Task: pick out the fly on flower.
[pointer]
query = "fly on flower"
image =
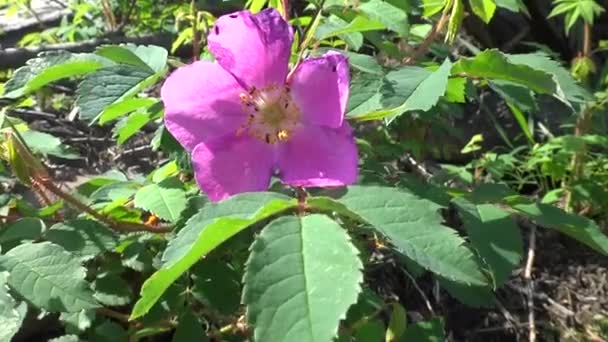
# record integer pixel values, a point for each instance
(246, 117)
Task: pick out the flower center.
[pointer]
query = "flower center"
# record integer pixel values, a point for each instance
(272, 114)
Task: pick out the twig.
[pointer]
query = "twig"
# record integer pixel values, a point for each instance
(285, 9)
(561, 310)
(530, 281)
(427, 302)
(430, 38)
(124, 20)
(116, 225)
(15, 57)
(196, 33)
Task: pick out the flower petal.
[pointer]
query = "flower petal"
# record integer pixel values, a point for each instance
(201, 103)
(319, 156)
(231, 165)
(320, 88)
(255, 48)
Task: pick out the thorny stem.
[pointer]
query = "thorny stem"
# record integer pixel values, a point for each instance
(119, 226)
(430, 38)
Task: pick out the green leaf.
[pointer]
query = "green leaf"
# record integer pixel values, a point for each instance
(363, 63)
(121, 108)
(456, 90)
(474, 296)
(428, 331)
(577, 227)
(302, 276)
(151, 57)
(50, 67)
(411, 89)
(109, 331)
(216, 284)
(11, 314)
(77, 322)
(108, 86)
(455, 22)
(432, 7)
(364, 94)
(27, 228)
(83, 237)
(166, 199)
(49, 277)
(358, 24)
(568, 90)
(495, 236)
(516, 94)
(189, 329)
(484, 9)
(214, 224)
(371, 330)
(413, 226)
(130, 126)
(393, 18)
(494, 65)
(111, 290)
(397, 323)
(65, 338)
(47, 144)
(512, 5)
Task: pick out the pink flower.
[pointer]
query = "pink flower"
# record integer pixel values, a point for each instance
(243, 119)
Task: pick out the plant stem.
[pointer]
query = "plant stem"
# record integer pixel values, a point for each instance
(116, 225)
(577, 164)
(285, 9)
(196, 33)
(430, 38)
(586, 39)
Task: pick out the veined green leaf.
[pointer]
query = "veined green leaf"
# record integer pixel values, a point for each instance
(50, 67)
(152, 58)
(413, 226)
(11, 314)
(393, 18)
(577, 227)
(108, 86)
(484, 9)
(302, 276)
(495, 236)
(492, 64)
(214, 224)
(166, 199)
(416, 87)
(49, 277)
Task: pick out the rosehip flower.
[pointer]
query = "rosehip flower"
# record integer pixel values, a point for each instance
(244, 118)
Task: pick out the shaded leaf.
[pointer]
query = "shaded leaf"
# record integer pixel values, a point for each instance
(495, 236)
(83, 237)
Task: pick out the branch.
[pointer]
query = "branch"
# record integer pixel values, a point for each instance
(15, 57)
(430, 38)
